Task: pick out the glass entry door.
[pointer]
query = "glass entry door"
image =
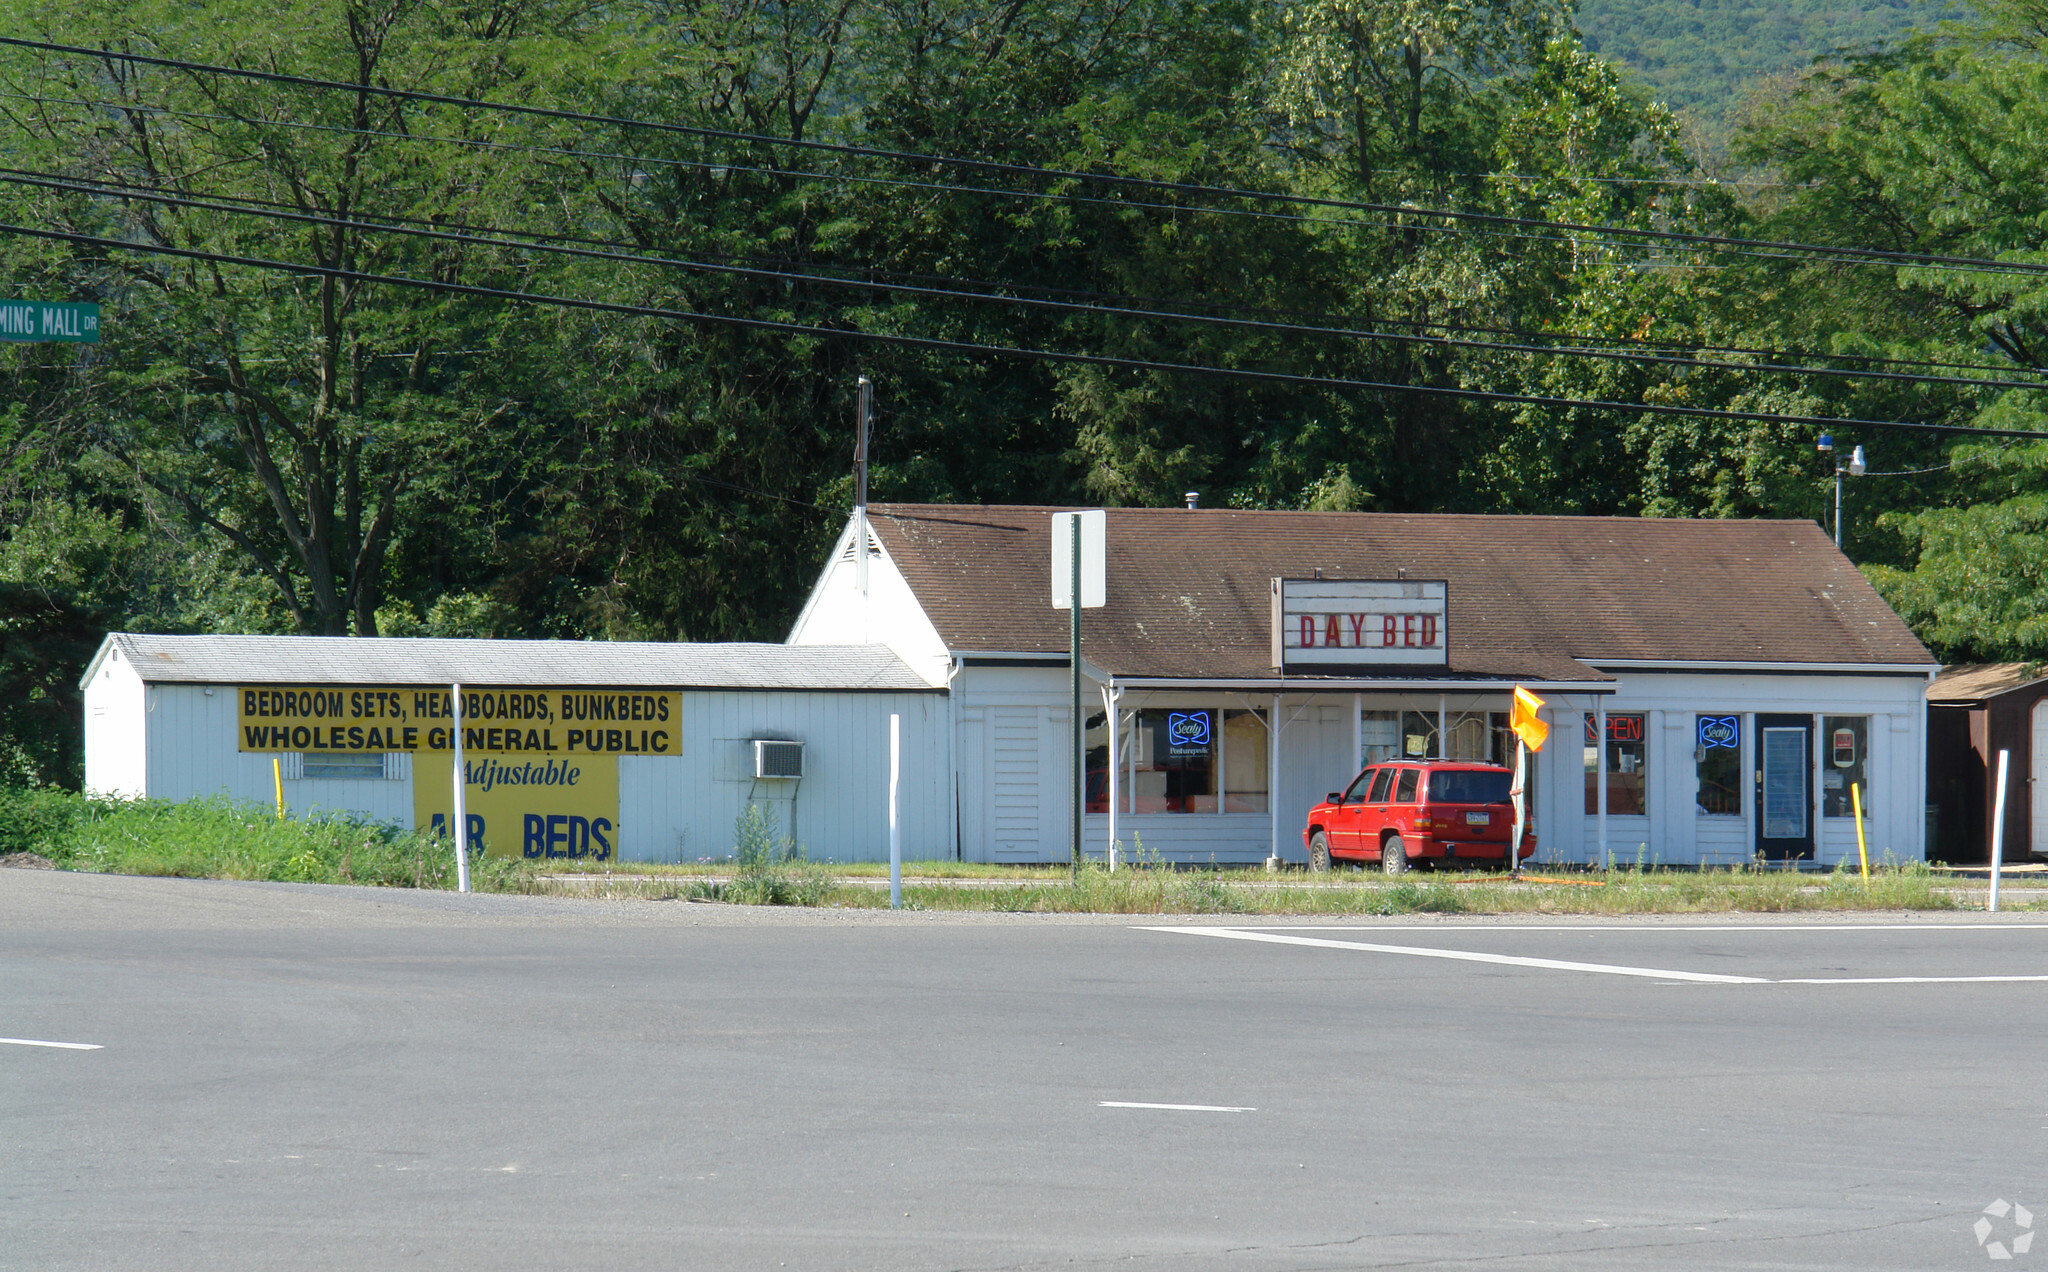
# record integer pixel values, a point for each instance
(1784, 793)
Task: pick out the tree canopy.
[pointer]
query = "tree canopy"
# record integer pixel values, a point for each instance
(402, 361)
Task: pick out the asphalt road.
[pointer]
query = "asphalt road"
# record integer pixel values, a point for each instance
(305, 1077)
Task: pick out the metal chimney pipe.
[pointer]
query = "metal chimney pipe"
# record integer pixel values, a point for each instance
(1194, 498)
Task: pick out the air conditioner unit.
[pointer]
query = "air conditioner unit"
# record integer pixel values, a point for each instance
(773, 758)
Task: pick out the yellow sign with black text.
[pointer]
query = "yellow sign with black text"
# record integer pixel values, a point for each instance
(541, 765)
(524, 722)
(539, 808)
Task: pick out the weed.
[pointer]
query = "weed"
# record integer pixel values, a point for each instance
(772, 868)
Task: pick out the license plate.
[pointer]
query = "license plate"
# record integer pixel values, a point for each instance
(1478, 819)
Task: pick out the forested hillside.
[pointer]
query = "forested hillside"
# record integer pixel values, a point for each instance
(1702, 56)
(545, 319)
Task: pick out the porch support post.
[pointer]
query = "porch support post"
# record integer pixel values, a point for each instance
(1600, 780)
(1273, 783)
(1116, 754)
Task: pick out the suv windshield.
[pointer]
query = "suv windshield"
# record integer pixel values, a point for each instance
(1467, 787)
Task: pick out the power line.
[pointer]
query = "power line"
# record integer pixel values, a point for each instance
(725, 165)
(718, 165)
(1688, 351)
(46, 181)
(1010, 351)
(904, 156)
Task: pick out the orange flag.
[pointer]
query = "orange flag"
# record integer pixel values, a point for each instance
(1523, 720)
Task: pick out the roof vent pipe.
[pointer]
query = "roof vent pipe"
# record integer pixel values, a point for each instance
(1194, 498)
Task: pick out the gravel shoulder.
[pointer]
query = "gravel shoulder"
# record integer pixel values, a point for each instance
(62, 900)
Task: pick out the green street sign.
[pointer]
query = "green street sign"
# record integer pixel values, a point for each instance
(36, 321)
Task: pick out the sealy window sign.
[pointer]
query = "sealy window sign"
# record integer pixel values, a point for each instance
(1339, 623)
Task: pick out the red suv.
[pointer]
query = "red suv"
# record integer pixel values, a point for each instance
(1401, 812)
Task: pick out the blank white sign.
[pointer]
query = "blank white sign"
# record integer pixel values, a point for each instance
(1094, 559)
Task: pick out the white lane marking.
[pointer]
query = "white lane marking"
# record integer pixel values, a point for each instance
(1902, 980)
(1468, 956)
(1177, 1108)
(1650, 927)
(67, 1046)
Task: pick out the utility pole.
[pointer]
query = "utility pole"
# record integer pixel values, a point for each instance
(865, 400)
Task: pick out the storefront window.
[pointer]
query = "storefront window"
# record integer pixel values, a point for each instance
(1627, 765)
(1418, 735)
(1174, 761)
(1845, 741)
(1245, 762)
(1717, 755)
(1471, 739)
(1379, 737)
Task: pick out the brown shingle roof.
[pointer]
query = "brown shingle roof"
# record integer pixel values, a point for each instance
(1189, 592)
(1974, 682)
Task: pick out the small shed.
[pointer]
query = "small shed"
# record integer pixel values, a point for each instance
(1974, 712)
(606, 750)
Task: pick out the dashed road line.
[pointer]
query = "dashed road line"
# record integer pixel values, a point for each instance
(1174, 1108)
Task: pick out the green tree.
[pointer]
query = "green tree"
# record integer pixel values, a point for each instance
(305, 420)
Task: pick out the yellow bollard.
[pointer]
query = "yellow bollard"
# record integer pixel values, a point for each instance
(277, 776)
(1856, 802)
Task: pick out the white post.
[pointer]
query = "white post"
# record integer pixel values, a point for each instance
(1115, 762)
(1443, 741)
(1273, 781)
(895, 824)
(1521, 790)
(1600, 781)
(461, 815)
(1998, 831)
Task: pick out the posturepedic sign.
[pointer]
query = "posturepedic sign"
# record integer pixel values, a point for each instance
(539, 808)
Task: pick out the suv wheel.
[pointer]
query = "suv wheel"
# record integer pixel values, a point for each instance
(1318, 853)
(1394, 855)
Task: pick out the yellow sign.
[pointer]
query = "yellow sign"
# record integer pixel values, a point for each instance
(1522, 718)
(525, 722)
(539, 808)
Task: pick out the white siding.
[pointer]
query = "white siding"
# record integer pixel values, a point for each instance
(670, 809)
(193, 754)
(682, 808)
(1675, 833)
(1014, 742)
(116, 741)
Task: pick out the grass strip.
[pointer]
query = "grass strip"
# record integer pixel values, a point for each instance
(220, 839)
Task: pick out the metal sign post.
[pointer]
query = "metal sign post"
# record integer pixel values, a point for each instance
(1079, 767)
(1079, 570)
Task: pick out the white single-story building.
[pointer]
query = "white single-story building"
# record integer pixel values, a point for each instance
(626, 751)
(1716, 690)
